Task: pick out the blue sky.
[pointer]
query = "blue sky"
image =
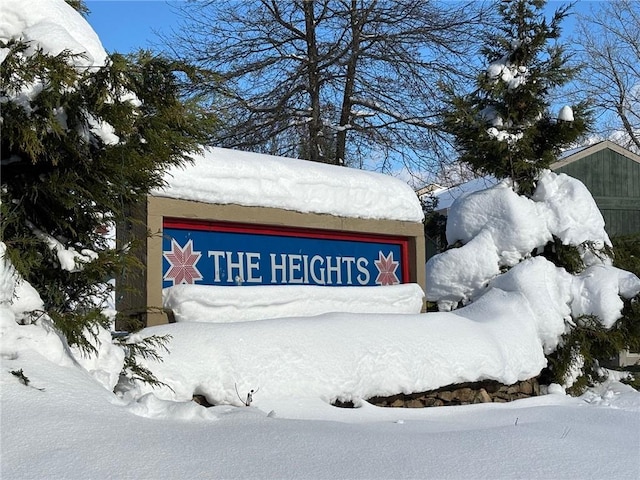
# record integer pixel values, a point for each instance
(126, 25)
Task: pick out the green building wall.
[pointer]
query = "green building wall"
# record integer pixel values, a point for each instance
(613, 178)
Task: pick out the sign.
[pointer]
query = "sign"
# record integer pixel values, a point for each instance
(216, 253)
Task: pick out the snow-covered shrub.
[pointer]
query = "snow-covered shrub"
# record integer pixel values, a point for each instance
(595, 342)
(83, 136)
(501, 232)
(506, 128)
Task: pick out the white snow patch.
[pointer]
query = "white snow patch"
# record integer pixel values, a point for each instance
(566, 114)
(206, 303)
(53, 26)
(598, 289)
(226, 176)
(569, 210)
(499, 228)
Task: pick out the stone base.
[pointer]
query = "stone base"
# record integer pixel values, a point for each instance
(462, 394)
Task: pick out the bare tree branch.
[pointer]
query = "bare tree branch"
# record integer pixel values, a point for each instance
(338, 81)
(610, 38)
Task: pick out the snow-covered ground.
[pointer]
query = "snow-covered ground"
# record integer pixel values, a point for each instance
(60, 417)
(64, 424)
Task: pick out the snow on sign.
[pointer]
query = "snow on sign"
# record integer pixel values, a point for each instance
(227, 254)
(232, 218)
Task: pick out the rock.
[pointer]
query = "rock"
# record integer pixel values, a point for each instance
(433, 402)
(513, 389)
(464, 395)
(526, 387)
(536, 387)
(482, 397)
(446, 396)
(501, 395)
(414, 403)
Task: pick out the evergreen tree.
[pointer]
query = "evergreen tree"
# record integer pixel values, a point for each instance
(79, 144)
(589, 342)
(79, 5)
(505, 127)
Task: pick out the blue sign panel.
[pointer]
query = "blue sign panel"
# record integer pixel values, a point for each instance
(215, 254)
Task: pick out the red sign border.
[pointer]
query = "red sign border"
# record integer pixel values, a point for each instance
(257, 229)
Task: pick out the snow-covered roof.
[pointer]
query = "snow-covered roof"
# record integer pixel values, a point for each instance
(572, 151)
(225, 176)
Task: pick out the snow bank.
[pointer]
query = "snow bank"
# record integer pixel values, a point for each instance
(349, 356)
(226, 176)
(26, 330)
(206, 303)
(53, 433)
(503, 336)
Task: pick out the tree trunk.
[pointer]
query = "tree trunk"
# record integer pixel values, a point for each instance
(349, 86)
(315, 122)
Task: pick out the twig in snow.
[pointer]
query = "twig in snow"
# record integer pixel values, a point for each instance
(249, 399)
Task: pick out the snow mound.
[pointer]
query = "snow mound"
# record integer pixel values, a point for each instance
(499, 228)
(505, 216)
(570, 211)
(598, 289)
(224, 176)
(566, 114)
(25, 329)
(349, 356)
(52, 26)
(206, 303)
(503, 336)
(547, 289)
